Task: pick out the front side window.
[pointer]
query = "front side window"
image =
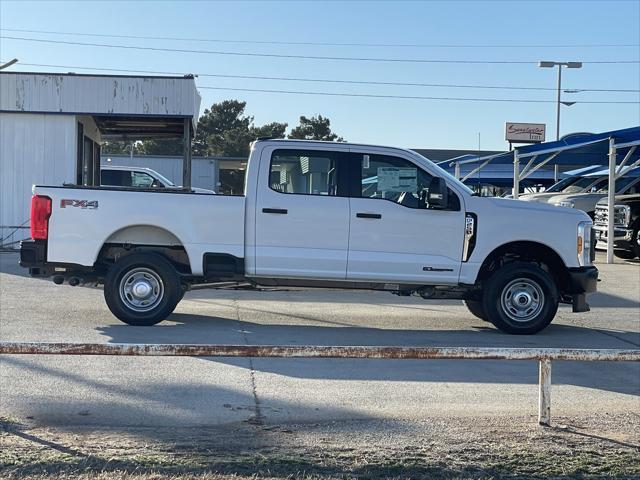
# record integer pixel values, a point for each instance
(141, 180)
(304, 172)
(394, 179)
(397, 180)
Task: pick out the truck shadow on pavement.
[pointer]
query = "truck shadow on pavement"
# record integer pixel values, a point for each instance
(198, 329)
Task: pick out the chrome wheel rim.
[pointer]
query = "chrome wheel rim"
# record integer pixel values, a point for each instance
(141, 289)
(522, 300)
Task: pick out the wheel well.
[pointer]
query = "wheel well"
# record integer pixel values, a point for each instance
(533, 252)
(112, 252)
(144, 238)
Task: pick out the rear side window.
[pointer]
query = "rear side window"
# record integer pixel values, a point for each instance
(304, 172)
(115, 178)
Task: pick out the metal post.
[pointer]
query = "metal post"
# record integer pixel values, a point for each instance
(611, 199)
(516, 174)
(544, 398)
(186, 157)
(556, 173)
(457, 170)
(558, 108)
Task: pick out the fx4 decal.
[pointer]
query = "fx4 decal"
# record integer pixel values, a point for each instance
(83, 204)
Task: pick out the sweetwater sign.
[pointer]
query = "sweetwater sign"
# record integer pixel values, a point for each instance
(525, 132)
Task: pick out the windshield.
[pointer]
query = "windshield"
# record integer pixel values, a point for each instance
(446, 175)
(562, 184)
(581, 185)
(621, 184)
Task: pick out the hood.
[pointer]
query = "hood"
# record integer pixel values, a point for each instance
(543, 208)
(577, 197)
(537, 197)
(202, 190)
(634, 197)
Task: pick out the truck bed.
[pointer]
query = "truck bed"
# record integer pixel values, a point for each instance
(84, 219)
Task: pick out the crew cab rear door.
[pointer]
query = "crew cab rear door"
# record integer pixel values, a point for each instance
(302, 214)
(393, 238)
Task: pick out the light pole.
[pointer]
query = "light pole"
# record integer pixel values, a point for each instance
(8, 64)
(546, 64)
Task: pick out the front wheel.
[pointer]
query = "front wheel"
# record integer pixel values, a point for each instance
(625, 254)
(142, 289)
(520, 298)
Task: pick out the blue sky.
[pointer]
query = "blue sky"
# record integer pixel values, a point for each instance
(515, 27)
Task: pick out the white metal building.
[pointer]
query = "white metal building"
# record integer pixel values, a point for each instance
(52, 125)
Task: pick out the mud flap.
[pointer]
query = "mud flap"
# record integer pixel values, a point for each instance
(580, 304)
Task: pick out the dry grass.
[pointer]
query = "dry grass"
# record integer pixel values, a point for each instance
(439, 448)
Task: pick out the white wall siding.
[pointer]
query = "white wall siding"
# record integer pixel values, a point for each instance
(26, 92)
(34, 149)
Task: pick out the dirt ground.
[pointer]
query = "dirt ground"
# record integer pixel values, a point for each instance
(497, 447)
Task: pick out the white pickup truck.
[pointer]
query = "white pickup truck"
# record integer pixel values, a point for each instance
(318, 214)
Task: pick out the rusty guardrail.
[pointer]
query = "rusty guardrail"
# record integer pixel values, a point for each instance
(543, 355)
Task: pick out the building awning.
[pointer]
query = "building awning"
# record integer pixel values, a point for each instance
(124, 127)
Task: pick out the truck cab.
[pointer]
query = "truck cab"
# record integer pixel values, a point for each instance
(319, 214)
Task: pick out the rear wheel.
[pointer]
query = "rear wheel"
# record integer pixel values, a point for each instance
(520, 298)
(477, 309)
(142, 289)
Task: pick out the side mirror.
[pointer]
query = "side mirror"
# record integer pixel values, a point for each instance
(438, 196)
(157, 184)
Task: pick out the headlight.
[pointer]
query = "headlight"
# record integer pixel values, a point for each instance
(622, 215)
(583, 243)
(566, 204)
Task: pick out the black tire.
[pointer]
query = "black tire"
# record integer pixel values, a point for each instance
(624, 254)
(141, 272)
(477, 309)
(635, 239)
(520, 298)
(181, 296)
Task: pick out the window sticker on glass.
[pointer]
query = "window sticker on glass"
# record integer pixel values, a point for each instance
(394, 179)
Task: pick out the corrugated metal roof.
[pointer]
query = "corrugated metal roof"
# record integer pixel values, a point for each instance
(99, 94)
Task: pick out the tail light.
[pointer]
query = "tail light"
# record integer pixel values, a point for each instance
(40, 213)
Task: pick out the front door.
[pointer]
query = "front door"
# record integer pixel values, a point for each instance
(302, 215)
(393, 236)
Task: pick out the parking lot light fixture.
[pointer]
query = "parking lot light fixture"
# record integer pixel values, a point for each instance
(549, 64)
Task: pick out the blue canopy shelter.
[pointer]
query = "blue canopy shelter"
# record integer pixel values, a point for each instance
(577, 149)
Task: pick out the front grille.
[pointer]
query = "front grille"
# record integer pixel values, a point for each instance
(620, 218)
(601, 215)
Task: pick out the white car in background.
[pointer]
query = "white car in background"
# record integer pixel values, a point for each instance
(138, 177)
(567, 186)
(627, 185)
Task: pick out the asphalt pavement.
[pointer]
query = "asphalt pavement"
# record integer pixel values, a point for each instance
(184, 392)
